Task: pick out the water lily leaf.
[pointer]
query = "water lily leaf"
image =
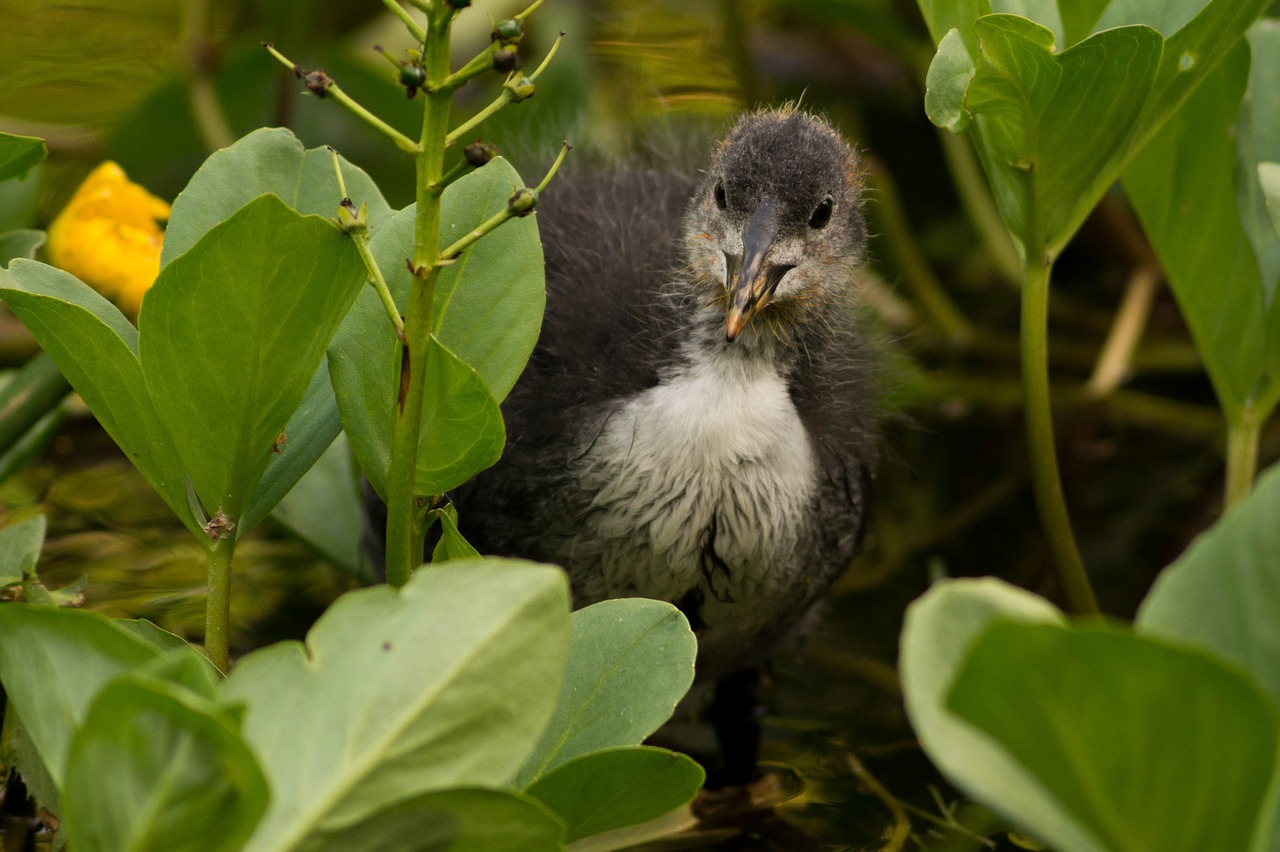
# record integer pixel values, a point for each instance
(20, 545)
(1183, 189)
(181, 777)
(231, 336)
(19, 154)
(630, 662)
(459, 820)
(616, 787)
(95, 347)
(393, 694)
(1111, 725)
(939, 629)
(1223, 593)
(52, 664)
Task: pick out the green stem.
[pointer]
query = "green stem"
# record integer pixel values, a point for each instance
(1243, 432)
(217, 619)
(415, 29)
(361, 239)
(404, 534)
(328, 88)
(1044, 459)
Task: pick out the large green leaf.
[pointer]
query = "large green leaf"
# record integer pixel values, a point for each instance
(52, 663)
(1258, 139)
(96, 349)
(630, 661)
(458, 820)
(273, 161)
(267, 161)
(1141, 744)
(1224, 592)
(18, 154)
(938, 632)
(1183, 189)
(446, 682)
(616, 787)
(232, 334)
(1054, 130)
(156, 767)
(20, 545)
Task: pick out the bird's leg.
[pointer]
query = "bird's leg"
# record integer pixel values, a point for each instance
(735, 713)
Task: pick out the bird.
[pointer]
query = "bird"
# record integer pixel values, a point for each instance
(699, 420)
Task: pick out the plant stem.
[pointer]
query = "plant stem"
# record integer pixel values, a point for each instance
(404, 534)
(1045, 476)
(415, 29)
(1243, 431)
(217, 619)
(1116, 360)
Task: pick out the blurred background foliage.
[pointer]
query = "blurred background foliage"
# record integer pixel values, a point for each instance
(157, 84)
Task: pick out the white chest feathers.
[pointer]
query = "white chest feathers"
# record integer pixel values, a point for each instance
(704, 480)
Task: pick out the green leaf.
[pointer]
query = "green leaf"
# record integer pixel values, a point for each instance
(458, 820)
(1269, 179)
(20, 545)
(309, 433)
(95, 347)
(324, 508)
(1183, 189)
(630, 662)
(267, 161)
(947, 83)
(1223, 593)
(180, 777)
(451, 545)
(53, 662)
(488, 304)
(462, 431)
(447, 682)
(186, 668)
(1054, 128)
(273, 161)
(20, 243)
(939, 629)
(1258, 139)
(1112, 725)
(232, 334)
(18, 154)
(616, 787)
(1054, 131)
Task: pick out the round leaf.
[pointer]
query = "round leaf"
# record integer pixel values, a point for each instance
(630, 662)
(155, 767)
(444, 683)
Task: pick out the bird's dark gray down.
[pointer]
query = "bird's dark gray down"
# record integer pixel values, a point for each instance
(698, 421)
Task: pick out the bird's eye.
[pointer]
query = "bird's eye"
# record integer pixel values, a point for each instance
(722, 201)
(821, 214)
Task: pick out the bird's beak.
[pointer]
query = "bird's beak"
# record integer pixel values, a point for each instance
(750, 284)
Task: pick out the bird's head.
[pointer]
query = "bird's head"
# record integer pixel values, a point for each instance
(778, 215)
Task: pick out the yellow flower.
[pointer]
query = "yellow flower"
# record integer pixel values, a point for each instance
(109, 236)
